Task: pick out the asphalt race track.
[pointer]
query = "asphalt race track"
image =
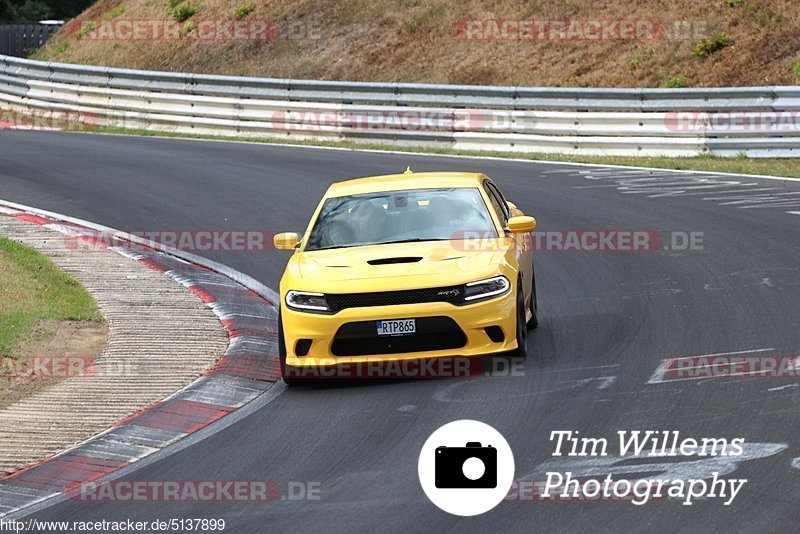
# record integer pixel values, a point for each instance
(608, 320)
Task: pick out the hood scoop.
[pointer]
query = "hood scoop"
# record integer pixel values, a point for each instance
(389, 261)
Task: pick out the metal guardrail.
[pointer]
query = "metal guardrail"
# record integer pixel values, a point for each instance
(633, 122)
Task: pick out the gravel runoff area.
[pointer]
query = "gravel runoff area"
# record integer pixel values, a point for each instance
(161, 337)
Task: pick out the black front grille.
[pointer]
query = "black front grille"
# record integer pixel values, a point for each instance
(342, 301)
(302, 346)
(495, 333)
(433, 333)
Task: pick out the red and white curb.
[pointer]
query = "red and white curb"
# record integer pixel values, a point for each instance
(248, 368)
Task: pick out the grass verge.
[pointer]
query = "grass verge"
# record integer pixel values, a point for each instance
(785, 167)
(34, 291)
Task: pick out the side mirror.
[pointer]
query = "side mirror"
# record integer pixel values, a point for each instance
(285, 241)
(523, 224)
(515, 211)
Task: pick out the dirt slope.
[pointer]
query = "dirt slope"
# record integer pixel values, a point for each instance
(446, 41)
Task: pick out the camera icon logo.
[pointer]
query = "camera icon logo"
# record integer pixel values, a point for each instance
(466, 467)
(472, 466)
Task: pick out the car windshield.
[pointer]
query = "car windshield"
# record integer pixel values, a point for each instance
(400, 217)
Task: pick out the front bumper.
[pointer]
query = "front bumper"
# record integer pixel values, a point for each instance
(472, 320)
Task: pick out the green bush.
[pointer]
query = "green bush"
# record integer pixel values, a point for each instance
(172, 4)
(87, 27)
(677, 82)
(243, 10)
(706, 47)
(188, 28)
(797, 69)
(183, 12)
(60, 47)
(735, 3)
(115, 13)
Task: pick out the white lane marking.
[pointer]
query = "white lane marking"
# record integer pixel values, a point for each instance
(617, 180)
(606, 381)
(680, 191)
(795, 463)
(726, 353)
(783, 387)
(794, 212)
(762, 199)
(594, 186)
(570, 369)
(793, 204)
(737, 196)
(718, 188)
(603, 382)
(659, 375)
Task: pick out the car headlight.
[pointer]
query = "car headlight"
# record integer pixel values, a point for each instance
(307, 301)
(484, 289)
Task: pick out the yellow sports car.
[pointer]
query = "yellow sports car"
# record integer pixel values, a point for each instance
(406, 266)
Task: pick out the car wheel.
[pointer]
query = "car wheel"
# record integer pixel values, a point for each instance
(289, 381)
(522, 329)
(533, 322)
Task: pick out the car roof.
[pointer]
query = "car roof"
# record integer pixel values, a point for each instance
(413, 180)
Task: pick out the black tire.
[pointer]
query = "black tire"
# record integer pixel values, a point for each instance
(533, 323)
(289, 381)
(522, 328)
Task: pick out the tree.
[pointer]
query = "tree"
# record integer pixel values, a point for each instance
(25, 11)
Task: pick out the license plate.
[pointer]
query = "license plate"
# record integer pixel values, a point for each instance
(397, 327)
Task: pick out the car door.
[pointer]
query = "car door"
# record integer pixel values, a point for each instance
(523, 242)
